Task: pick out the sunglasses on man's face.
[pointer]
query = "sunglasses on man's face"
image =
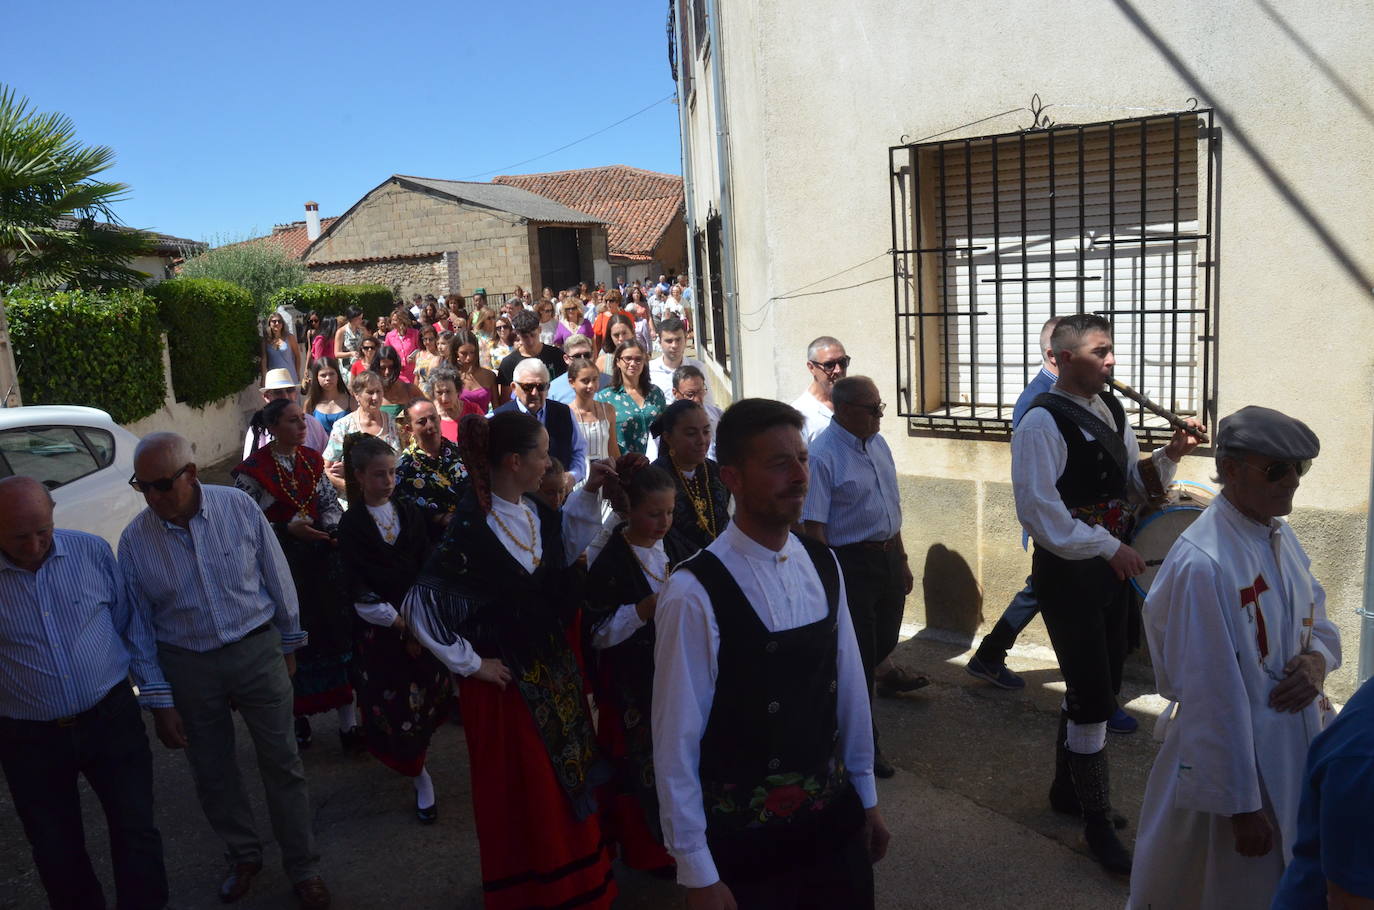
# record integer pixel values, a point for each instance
(830, 366)
(533, 387)
(162, 484)
(1279, 470)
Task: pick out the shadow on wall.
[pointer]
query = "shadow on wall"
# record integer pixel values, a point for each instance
(953, 597)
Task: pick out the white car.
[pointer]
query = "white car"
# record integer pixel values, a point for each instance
(82, 456)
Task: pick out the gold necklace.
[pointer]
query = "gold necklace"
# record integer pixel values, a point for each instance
(534, 534)
(701, 502)
(290, 487)
(642, 567)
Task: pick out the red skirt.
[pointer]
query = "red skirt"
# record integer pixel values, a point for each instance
(622, 813)
(534, 853)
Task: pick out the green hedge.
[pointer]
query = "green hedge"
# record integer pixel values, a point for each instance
(212, 337)
(83, 347)
(333, 299)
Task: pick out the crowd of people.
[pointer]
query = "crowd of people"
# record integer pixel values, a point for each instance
(660, 624)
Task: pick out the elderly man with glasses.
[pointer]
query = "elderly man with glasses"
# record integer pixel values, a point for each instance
(853, 506)
(1241, 646)
(827, 363)
(527, 345)
(279, 384)
(206, 572)
(566, 442)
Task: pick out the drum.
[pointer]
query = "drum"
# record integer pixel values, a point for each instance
(1159, 526)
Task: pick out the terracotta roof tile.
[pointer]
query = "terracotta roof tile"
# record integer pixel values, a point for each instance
(637, 205)
(291, 237)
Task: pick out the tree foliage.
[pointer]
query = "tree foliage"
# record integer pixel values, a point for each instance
(262, 269)
(335, 299)
(52, 206)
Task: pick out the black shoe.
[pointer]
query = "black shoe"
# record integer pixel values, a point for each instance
(427, 816)
(881, 768)
(353, 740)
(1091, 782)
(237, 882)
(303, 734)
(1111, 854)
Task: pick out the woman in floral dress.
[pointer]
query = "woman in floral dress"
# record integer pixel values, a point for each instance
(637, 401)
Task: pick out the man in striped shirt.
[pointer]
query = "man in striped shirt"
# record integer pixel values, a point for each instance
(853, 506)
(68, 641)
(207, 572)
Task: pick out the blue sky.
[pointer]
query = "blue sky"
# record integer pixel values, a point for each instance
(226, 118)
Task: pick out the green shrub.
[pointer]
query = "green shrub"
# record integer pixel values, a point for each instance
(333, 299)
(83, 347)
(260, 268)
(212, 337)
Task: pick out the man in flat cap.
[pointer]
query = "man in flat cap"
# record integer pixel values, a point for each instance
(1241, 646)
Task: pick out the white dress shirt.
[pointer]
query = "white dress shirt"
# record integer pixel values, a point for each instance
(625, 621)
(785, 591)
(581, 520)
(1038, 456)
(818, 415)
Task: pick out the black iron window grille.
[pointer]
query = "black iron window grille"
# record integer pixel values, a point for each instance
(993, 235)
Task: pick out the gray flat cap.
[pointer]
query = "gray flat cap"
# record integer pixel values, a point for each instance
(1265, 431)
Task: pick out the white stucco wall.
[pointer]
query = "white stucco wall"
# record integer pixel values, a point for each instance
(815, 95)
(214, 431)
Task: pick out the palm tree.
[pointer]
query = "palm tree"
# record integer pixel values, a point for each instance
(56, 224)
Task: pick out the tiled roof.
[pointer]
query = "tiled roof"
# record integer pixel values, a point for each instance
(291, 237)
(392, 258)
(164, 245)
(638, 205)
(506, 198)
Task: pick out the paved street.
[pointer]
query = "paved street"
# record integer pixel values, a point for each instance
(966, 809)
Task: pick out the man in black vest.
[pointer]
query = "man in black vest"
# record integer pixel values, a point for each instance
(1076, 476)
(763, 745)
(566, 442)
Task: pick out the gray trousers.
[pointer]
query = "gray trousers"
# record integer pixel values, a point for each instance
(252, 672)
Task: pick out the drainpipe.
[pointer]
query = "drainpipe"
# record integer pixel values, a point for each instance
(727, 223)
(685, 146)
(1366, 610)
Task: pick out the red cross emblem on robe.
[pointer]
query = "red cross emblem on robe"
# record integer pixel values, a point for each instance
(1248, 596)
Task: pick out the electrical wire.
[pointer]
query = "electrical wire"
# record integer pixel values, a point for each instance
(612, 126)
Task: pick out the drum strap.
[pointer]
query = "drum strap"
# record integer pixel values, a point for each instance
(1109, 438)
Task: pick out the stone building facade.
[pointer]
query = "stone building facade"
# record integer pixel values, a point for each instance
(418, 235)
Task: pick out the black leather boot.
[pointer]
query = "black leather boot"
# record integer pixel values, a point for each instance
(1063, 796)
(1094, 796)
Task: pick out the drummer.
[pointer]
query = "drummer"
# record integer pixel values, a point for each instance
(1075, 475)
(1240, 641)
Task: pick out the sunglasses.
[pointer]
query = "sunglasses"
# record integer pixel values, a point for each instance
(532, 387)
(1279, 469)
(839, 363)
(162, 485)
(369, 347)
(875, 410)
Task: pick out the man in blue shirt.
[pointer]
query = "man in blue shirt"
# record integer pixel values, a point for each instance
(853, 505)
(68, 641)
(574, 346)
(1333, 854)
(208, 574)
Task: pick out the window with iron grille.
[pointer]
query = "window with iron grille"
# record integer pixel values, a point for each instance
(994, 235)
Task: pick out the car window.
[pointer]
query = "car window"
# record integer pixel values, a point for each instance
(102, 444)
(51, 455)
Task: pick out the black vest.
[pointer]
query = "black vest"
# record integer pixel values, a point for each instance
(769, 756)
(1091, 475)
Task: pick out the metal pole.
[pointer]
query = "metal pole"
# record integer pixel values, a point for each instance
(727, 224)
(1366, 609)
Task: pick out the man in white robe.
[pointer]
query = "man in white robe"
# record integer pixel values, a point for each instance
(1241, 645)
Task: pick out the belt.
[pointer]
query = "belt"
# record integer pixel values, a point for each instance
(882, 546)
(120, 688)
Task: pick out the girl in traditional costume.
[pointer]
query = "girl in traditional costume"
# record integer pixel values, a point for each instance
(402, 688)
(622, 592)
(703, 502)
(493, 603)
(287, 479)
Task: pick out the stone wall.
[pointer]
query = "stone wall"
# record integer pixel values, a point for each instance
(428, 275)
(494, 249)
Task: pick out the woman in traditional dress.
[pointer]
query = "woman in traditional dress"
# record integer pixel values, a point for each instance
(402, 688)
(622, 593)
(703, 501)
(493, 603)
(288, 482)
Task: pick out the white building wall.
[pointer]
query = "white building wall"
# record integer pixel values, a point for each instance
(816, 94)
